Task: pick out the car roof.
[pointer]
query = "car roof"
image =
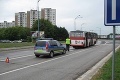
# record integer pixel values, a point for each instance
(46, 40)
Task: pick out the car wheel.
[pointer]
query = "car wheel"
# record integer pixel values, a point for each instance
(51, 55)
(64, 51)
(37, 55)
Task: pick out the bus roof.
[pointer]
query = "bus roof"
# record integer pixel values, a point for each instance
(77, 31)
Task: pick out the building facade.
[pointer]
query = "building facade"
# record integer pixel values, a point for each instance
(6, 24)
(49, 14)
(27, 19)
(32, 16)
(21, 19)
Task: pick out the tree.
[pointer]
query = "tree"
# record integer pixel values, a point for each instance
(14, 33)
(2, 33)
(46, 26)
(51, 31)
(60, 33)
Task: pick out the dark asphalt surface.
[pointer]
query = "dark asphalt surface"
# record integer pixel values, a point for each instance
(25, 66)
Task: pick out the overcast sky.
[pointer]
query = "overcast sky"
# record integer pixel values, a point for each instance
(91, 11)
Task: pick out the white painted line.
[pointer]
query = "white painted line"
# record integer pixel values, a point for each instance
(17, 57)
(21, 57)
(24, 56)
(41, 63)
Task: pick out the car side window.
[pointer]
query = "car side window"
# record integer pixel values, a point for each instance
(58, 43)
(50, 42)
(54, 43)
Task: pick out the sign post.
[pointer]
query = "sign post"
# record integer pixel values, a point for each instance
(113, 56)
(112, 18)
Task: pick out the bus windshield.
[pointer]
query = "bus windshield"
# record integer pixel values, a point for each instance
(76, 34)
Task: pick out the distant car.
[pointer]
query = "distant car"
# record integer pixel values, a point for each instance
(17, 41)
(48, 47)
(5, 41)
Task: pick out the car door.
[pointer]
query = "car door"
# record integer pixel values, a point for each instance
(60, 47)
(54, 46)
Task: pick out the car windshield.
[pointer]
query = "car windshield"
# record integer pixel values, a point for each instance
(41, 43)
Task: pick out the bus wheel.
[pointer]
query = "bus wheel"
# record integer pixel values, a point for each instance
(73, 46)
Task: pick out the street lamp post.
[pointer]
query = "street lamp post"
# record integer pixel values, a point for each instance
(81, 25)
(100, 31)
(38, 21)
(75, 21)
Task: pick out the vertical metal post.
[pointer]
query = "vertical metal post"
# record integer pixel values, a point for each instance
(100, 31)
(81, 26)
(113, 56)
(75, 25)
(75, 21)
(38, 21)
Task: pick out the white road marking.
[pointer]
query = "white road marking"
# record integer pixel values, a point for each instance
(21, 57)
(17, 57)
(41, 63)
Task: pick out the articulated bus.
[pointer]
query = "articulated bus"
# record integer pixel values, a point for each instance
(82, 39)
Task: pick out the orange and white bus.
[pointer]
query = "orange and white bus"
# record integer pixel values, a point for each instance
(82, 39)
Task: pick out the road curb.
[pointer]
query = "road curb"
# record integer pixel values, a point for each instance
(88, 75)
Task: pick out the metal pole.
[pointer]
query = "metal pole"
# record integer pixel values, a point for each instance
(38, 22)
(75, 21)
(113, 56)
(100, 31)
(81, 26)
(75, 25)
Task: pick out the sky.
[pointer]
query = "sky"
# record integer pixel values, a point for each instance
(91, 13)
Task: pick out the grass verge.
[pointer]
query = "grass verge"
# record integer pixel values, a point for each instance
(105, 73)
(10, 45)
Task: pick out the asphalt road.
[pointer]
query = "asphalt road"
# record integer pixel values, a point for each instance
(25, 66)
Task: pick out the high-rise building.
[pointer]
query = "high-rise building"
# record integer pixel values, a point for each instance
(21, 19)
(28, 19)
(49, 14)
(32, 16)
(6, 24)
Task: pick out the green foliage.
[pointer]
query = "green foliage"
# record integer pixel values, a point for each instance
(2, 30)
(60, 33)
(17, 33)
(14, 33)
(10, 45)
(105, 72)
(51, 31)
(29, 39)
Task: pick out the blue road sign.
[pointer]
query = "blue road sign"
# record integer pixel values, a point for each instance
(112, 12)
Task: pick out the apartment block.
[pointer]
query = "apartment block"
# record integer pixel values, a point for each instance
(6, 24)
(32, 16)
(21, 19)
(27, 19)
(49, 14)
